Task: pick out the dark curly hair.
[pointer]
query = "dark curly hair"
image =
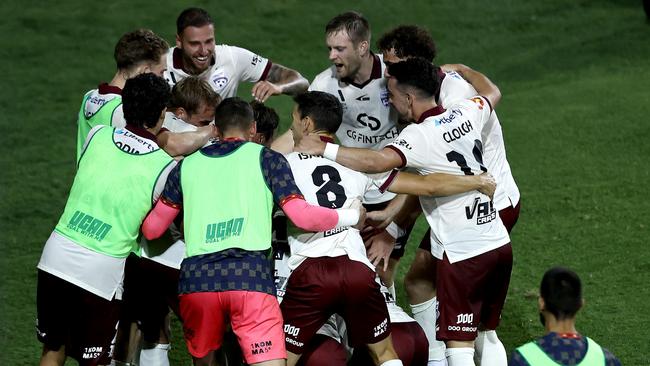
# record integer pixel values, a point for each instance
(143, 99)
(417, 73)
(408, 41)
(266, 118)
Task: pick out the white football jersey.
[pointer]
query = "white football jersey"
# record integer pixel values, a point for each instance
(327, 184)
(463, 225)
(453, 89)
(175, 124)
(97, 98)
(368, 119)
(232, 65)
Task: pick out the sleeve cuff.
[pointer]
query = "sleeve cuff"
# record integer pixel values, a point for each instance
(347, 217)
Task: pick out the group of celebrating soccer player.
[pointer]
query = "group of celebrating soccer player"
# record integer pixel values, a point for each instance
(282, 250)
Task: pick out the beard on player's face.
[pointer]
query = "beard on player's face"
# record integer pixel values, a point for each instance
(198, 61)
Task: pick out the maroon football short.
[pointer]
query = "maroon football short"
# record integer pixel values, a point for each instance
(320, 287)
(510, 215)
(150, 290)
(70, 316)
(472, 292)
(409, 342)
(323, 351)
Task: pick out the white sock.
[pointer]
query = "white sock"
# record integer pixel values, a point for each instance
(442, 362)
(489, 350)
(391, 289)
(463, 356)
(392, 363)
(156, 356)
(426, 314)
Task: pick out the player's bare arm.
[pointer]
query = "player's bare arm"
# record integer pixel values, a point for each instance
(185, 143)
(361, 160)
(480, 82)
(280, 80)
(442, 185)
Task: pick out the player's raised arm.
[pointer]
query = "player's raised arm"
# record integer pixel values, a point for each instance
(480, 82)
(280, 80)
(439, 184)
(362, 160)
(185, 143)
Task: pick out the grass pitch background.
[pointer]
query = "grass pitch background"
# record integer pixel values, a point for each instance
(574, 75)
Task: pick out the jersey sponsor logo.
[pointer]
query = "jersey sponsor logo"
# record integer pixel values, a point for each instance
(89, 226)
(449, 118)
(479, 101)
(403, 143)
(458, 328)
(484, 211)
(467, 318)
(294, 342)
(458, 132)
(90, 353)
(383, 96)
(219, 231)
(258, 348)
(335, 231)
(125, 145)
(363, 98)
(381, 328)
(367, 139)
(454, 74)
(256, 60)
(369, 121)
(94, 104)
(290, 330)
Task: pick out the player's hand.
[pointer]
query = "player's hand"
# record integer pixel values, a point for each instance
(262, 90)
(380, 219)
(311, 144)
(211, 130)
(357, 205)
(379, 248)
(487, 184)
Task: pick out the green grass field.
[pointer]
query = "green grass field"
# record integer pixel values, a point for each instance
(575, 114)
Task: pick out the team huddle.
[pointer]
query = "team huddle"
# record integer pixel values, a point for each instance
(282, 251)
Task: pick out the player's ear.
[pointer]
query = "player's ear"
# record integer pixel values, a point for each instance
(252, 131)
(363, 47)
(178, 41)
(182, 114)
(307, 125)
(540, 303)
